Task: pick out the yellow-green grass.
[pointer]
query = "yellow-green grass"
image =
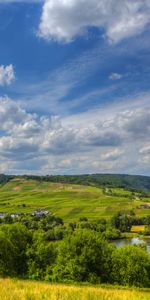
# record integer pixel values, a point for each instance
(26, 290)
(137, 228)
(67, 201)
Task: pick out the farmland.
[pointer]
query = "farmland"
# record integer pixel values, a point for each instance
(68, 201)
(137, 229)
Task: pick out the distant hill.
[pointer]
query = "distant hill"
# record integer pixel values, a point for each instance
(130, 182)
(72, 197)
(5, 178)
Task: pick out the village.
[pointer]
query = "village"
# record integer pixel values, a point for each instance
(37, 213)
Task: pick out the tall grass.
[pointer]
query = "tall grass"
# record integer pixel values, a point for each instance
(26, 290)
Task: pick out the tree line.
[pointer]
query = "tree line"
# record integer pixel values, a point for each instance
(46, 249)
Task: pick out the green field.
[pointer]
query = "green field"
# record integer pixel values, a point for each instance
(27, 290)
(68, 201)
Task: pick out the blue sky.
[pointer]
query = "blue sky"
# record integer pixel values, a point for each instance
(74, 86)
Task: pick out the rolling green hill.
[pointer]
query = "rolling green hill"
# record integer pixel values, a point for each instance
(130, 182)
(68, 201)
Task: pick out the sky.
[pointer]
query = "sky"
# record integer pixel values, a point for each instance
(75, 86)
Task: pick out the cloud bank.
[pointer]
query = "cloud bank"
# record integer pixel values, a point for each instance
(42, 144)
(63, 20)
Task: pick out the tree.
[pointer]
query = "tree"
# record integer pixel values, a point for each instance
(112, 233)
(7, 255)
(83, 256)
(146, 231)
(41, 256)
(131, 266)
(19, 237)
(122, 222)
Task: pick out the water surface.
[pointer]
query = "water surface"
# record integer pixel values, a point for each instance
(133, 241)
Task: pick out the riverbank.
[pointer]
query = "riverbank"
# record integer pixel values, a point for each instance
(130, 235)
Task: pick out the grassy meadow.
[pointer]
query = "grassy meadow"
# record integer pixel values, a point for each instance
(67, 201)
(27, 290)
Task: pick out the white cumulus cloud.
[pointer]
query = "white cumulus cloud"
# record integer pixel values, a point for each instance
(63, 20)
(115, 76)
(7, 75)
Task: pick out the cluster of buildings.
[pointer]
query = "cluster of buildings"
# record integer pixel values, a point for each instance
(40, 213)
(37, 213)
(147, 206)
(13, 215)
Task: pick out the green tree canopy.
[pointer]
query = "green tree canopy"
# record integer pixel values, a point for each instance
(83, 256)
(131, 266)
(7, 254)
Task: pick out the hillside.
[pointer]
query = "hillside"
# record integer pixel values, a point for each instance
(68, 201)
(25, 290)
(131, 182)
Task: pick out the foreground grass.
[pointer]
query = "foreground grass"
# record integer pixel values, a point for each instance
(26, 290)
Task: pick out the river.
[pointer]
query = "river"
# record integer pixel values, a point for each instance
(133, 241)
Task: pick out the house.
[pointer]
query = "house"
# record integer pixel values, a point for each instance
(2, 215)
(146, 206)
(15, 215)
(40, 213)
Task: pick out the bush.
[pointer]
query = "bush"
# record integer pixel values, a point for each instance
(131, 266)
(18, 237)
(83, 256)
(7, 255)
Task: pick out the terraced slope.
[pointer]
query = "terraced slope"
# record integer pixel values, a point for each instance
(67, 201)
